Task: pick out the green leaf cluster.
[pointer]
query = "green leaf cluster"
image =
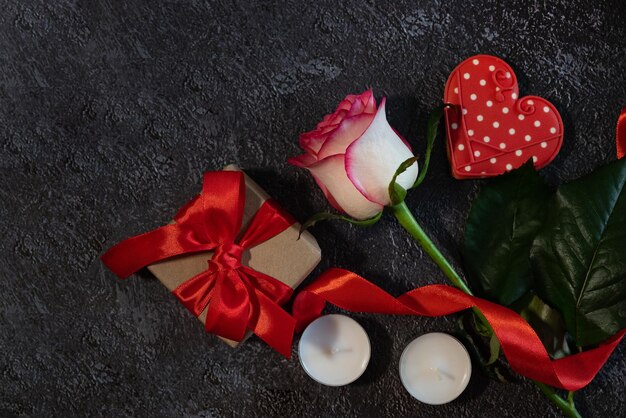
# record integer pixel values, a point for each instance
(558, 257)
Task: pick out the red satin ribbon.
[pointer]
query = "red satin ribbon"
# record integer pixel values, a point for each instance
(520, 344)
(621, 134)
(240, 297)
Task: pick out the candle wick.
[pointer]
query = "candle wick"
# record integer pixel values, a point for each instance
(437, 372)
(336, 350)
(441, 373)
(445, 374)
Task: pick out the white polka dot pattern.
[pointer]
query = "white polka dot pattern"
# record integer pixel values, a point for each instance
(492, 128)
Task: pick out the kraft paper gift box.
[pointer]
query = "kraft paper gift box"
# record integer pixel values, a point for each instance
(288, 256)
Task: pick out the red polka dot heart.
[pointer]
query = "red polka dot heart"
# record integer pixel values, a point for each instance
(490, 129)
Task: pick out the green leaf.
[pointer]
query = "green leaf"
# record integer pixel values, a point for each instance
(547, 323)
(494, 349)
(326, 216)
(502, 224)
(482, 349)
(481, 328)
(579, 257)
(431, 134)
(397, 193)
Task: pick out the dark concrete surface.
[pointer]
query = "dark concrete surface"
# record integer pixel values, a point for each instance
(111, 110)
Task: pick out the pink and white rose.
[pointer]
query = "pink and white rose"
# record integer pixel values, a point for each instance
(353, 154)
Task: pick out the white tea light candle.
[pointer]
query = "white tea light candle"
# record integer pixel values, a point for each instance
(435, 368)
(334, 350)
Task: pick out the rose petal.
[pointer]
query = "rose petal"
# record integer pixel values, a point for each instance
(349, 130)
(403, 140)
(372, 160)
(303, 160)
(351, 105)
(328, 128)
(357, 108)
(325, 121)
(312, 142)
(306, 160)
(331, 173)
(346, 103)
(329, 196)
(338, 116)
(369, 101)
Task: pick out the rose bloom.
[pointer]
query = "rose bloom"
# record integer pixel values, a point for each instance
(353, 154)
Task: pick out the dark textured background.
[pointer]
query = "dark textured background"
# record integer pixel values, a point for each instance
(111, 110)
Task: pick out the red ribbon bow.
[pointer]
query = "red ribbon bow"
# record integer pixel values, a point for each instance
(236, 297)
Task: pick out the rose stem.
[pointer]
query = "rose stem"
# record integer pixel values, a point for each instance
(568, 408)
(407, 220)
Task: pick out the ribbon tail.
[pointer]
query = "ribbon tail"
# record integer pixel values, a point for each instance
(229, 307)
(586, 364)
(346, 290)
(273, 288)
(520, 343)
(272, 324)
(195, 293)
(307, 306)
(621, 134)
(133, 254)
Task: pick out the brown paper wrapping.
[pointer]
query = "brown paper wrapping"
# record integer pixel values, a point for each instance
(284, 257)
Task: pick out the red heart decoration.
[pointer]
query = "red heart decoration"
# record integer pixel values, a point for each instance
(492, 130)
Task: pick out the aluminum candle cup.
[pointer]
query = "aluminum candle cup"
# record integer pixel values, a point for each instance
(435, 368)
(334, 350)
